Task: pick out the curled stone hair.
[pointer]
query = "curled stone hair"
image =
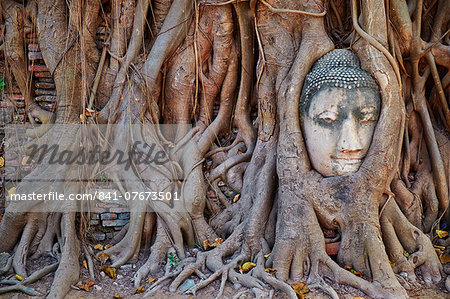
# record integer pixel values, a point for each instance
(339, 68)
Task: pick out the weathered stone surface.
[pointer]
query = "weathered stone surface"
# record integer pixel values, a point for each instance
(35, 56)
(48, 106)
(99, 236)
(124, 216)
(34, 47)
(108, 216)
(114, 222)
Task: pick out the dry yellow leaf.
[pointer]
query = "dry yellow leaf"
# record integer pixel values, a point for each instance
(117, 296)
(439, 247)
(358, 297)
(84, 264)
(300, 289)
(267, 256)
(392, 263)
(236, 198)
(98, 247)
(445, 258)
(103, 257)
(110, 271)
(406, 253)
(82, 118)
(18, 277)
(441, 233)
(2, 162)
(207, 244)
(86, 286)
(271, 271)
(108, 246)
(140, 289)
(247, 267)
(150, 280)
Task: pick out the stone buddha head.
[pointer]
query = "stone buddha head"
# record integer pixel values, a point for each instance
(339, 109)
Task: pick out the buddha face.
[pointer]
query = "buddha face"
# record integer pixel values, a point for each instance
(338, 125)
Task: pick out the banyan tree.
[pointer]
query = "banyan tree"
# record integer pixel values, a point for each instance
(322, 115)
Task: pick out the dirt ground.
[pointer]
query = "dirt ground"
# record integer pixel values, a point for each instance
(106, 287)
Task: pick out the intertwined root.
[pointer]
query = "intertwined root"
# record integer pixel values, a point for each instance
(408, 247)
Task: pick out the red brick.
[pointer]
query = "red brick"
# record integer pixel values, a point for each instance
(332, 248)
(45, 85)
(48, 106)
(34, 47)
(31, 35)
(119, 210)
(45, 99)
(14, 97)
(37, 68)
(41, 92)
(108, 216)
(43, 75)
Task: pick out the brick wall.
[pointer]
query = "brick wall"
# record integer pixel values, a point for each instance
(108, 218)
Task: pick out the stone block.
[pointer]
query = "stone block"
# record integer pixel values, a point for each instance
(109, 223)
(108, 216)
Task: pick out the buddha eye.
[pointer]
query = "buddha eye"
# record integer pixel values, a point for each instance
(367, 118)
(328, 117)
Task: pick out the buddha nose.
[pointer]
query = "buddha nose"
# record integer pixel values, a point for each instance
(349, 141)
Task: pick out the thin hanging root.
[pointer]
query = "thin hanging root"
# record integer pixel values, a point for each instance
(21, 286)
(376, 44)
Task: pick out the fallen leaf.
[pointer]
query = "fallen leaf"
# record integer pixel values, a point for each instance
(84, 264)
(247, 267)
(98, 247)
(358, 297)
(300, 289)
(271, 271)
(236, 198)
(439, 247)
(110, 271)
(108, 246)
(441, 233)
(140, 289)
(239, 153)
(85, 286)
(18, 277)
(348, 268)
(82, 118)
(445, 258)
(150, 280)
(392, 263)
(117, 296)
(207, 244)
(2, 162)
(103, 257)
(406, 253)
(89, 112)
(267, 256)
